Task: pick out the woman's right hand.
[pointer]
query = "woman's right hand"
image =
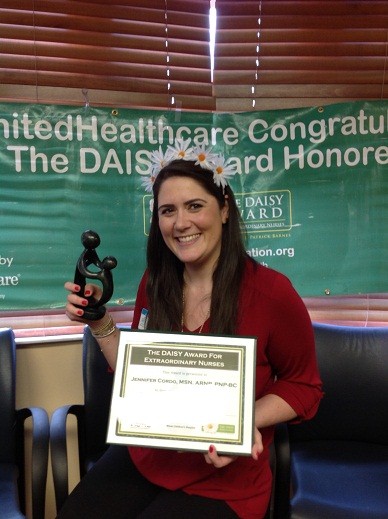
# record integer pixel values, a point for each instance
(76, 300)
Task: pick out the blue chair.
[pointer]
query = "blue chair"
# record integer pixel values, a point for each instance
(12, 444)
(335, 466)
(91, 416)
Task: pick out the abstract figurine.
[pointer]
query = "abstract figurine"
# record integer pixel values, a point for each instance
(95, 309)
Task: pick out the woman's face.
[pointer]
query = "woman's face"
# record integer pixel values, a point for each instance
(190, 221)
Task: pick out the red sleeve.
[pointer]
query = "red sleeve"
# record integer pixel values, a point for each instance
(291, 352)
(141, 302)
(286, 365)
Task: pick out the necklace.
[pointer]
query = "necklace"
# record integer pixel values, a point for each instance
(183, 311)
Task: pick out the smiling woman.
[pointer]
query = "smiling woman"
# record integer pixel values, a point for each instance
(190, 221)
(191, 208)
(199, 278)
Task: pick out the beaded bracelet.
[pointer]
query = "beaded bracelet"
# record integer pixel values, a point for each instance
(104, 330)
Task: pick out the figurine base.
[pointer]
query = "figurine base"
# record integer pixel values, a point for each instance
(94, 314)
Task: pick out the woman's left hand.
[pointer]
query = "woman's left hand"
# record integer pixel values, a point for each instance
(212, 458)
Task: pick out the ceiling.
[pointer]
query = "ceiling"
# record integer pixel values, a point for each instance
(268, 54)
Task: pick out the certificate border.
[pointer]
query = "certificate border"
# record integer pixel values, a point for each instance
(246, 349)
(193, 345)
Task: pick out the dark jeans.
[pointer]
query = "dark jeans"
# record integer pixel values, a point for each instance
(114, 489)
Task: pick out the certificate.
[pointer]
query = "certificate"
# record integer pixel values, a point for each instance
(184, 392)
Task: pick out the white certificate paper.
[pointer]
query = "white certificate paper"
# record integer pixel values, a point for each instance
(184, 392)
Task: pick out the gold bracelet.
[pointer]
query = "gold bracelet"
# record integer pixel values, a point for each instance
(105, 330)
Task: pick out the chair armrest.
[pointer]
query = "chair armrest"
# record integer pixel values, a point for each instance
(39, 456)
(10, 503)
(58, 445)
(282, 472)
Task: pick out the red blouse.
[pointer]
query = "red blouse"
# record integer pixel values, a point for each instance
(271, 310)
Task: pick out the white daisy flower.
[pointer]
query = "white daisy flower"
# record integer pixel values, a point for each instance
(210, 428)
(181, 149)
(159, 160)
(222, 171)
(148, 182)
(203, 156)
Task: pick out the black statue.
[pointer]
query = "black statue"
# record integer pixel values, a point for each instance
(95, 309)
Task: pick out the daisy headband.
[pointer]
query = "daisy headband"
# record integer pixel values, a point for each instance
(215, 162)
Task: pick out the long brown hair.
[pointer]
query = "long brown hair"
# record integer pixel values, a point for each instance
(165, 280)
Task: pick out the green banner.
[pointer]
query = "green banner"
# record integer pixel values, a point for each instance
(312, 187)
